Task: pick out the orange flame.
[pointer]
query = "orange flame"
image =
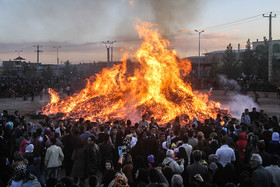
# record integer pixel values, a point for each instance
(156, 89)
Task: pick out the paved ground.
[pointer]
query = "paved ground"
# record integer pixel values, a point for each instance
(237, 103)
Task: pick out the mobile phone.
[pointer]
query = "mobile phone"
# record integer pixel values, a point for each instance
(122, 150)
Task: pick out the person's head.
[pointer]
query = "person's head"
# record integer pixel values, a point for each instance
(185, 138)
(274, 159)
(120, 180)
(91, 140)
(162, 137)
(190, 133)
(223, 141)
(177, 181)
(151, 159)
(260, 146)
(255, 161)
(153, 130)
(197, 155)
(154, 176)
(114, 131)
(275, 136)
(170, 153)
(53, 141)
(109, 165)
(143, 117)
(93, 181)
(246, 111)
(128, 123)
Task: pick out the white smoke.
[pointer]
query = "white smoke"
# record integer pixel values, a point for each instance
(239, 103)
(230, 83)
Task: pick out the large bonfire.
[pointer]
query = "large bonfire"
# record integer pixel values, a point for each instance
(156, 88)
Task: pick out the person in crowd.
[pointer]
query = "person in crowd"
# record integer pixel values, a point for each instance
(187, 147)
(170, 162)
(225, 153)
(119, 180)
(141, 143)
(241, 146)
(53, 160)
(87, 133)
(108, 174)
(23, 144)
(260, 175)
(156, 178)
(245, 117)
(79, 158)
(192, 140)
(197, 168)
(23, 179)
(93, 181)
(93, 161)
(274, 170)
(274, 144)
(106, 150)
(143, 124)
(127, 168)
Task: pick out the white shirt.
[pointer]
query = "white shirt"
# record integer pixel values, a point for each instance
(226, 155)
(188, 149)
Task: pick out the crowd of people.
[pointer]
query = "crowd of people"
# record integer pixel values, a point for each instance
(15, 87)
(210, 153)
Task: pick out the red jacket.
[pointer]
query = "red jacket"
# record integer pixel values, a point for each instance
(241, 145)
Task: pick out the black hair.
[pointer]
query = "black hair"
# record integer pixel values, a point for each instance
(197, 155)
(93, 181)
(154, 176)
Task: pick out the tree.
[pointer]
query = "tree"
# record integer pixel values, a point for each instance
(230, 63)
(215, 69)
(249, 60)
(262, 60)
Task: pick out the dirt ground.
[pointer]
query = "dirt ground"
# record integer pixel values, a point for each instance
(268, 102)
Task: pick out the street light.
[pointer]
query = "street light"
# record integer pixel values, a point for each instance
(198, 68)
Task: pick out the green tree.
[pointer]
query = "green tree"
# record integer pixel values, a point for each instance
(262, 60)
(249, 60)
(230, 63)
(47, 73)
(215, 68)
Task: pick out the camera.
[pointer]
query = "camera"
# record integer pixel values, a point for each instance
(122, 149)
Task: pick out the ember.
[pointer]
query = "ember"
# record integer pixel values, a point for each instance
(156, 88)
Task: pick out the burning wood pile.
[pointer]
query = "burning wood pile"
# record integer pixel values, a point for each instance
(156, 88)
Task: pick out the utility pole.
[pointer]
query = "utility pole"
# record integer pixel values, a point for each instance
(57, 71)
(107, 45)
(38, 51)
(270, 47)
(198, 68)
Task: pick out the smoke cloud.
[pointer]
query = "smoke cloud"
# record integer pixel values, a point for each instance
(239, 103)
(229, 83)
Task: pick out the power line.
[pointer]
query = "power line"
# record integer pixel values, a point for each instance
(224, 24)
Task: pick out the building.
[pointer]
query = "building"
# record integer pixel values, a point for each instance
(275, 47)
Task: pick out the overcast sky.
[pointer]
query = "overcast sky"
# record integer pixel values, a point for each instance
(78, 26)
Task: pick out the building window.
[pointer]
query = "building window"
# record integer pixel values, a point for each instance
(276, 48)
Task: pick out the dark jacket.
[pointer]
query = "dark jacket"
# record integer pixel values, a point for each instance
(262, 177)
(93, 159)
